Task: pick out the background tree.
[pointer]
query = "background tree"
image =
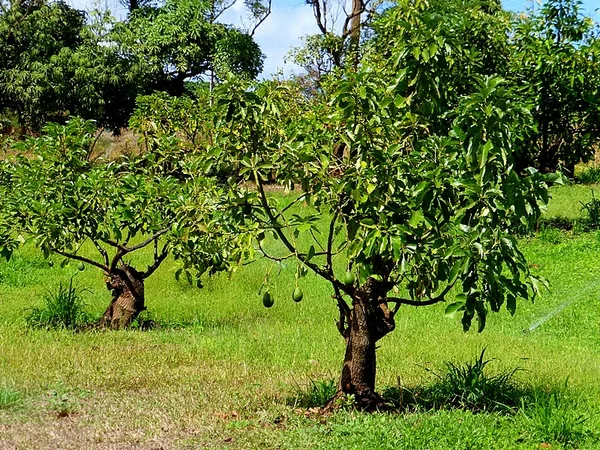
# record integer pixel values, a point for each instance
(69, 203)
(555, 65)
(55, 66)
(177, 42)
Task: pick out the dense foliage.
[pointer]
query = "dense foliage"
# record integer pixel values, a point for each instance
(59, 62)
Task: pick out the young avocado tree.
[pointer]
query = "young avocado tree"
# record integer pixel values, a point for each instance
(413, 219)
(71, 204)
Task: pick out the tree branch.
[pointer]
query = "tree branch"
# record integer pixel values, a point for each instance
(319, 16)
(302, 257)
(82, 259)
(214, 16)
(406, 301)
(158, 259)
(102, 252)
(263, 18)
(410, 302)
(282, 212)
(330, 241)
(343, 324)
(124, 249)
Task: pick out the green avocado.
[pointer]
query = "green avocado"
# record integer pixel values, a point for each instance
(297, 295)
(267, 299)
(348, 278)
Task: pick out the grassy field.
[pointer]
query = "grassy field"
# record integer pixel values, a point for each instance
(221, 371)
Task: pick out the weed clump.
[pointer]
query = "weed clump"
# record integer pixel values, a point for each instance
(467, 386)
(553, 416)
(63, 308)
(9, 396)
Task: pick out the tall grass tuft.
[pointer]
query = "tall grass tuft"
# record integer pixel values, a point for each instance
(470, 386)
(316, 394)
(591, 210)
(555, 417)
(63, 308)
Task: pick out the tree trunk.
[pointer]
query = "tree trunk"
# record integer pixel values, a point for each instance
(357, 9)
(127, 286)
(368, 322)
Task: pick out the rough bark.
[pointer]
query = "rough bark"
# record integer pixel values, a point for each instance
(368, 322)
(127, 287)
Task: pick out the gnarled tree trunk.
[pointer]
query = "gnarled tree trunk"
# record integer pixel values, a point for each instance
(369, 320)
(127, 286)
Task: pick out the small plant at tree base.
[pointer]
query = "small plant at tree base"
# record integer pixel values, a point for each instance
(469, 386)
(63, 308)
(315, 394)
(62, 401)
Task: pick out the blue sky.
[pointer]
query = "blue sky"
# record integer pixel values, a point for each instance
(292, 19)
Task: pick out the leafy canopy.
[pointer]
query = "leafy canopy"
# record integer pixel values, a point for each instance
(178, 41)
(412, 212)
(60, 194)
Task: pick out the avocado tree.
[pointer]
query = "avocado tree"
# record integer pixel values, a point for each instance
(100, 212)
(413, 218)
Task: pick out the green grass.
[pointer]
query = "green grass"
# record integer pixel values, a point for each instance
(566, 200)
(219, 370)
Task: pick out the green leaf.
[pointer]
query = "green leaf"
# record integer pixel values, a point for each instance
(311, 253)
(452, 308)
(416, 218)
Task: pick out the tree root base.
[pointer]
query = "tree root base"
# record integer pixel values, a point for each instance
(369, 401)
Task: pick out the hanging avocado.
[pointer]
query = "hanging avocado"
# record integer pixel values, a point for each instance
(267, 299)
(348, 278)
(297, 295)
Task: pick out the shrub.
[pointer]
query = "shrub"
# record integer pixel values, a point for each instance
(63, 308)
(589, 175)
